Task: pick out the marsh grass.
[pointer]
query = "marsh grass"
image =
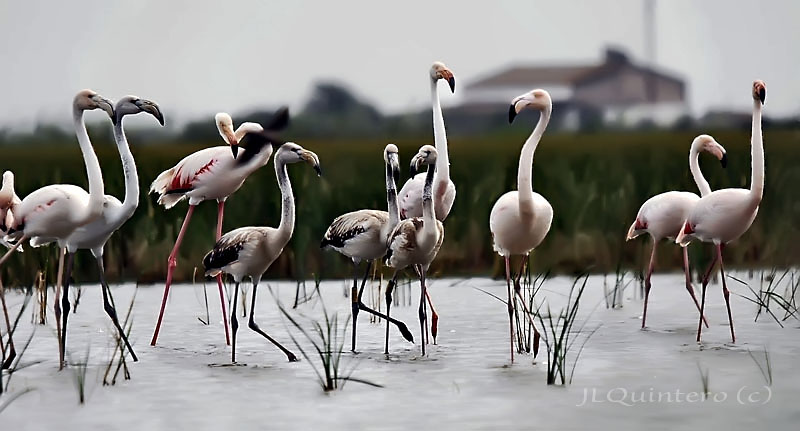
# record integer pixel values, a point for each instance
(79, 370)
(704, 380)
(769, 294)
(118, 360)
(11, 358)
(205, 298)
(560, 334)
(614, 295)
(327, 341)
(766, 369)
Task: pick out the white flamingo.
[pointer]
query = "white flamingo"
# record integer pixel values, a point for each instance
(212, 173)
(52, 213)
(416, 241)
(364, 235)
(444, 191)
(662, 215)
(724, 215)
(9, 201)
(520, 219)
(249, 251)
(94, 235)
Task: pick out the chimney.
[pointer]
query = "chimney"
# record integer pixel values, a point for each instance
(616, 57)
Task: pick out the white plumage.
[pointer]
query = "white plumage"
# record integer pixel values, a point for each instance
(662, 215)
(724, 215)
(444, 191)
(520, 219)
(249, 251)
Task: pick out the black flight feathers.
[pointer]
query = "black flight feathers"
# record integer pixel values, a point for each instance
(253, 143)
(222, 255)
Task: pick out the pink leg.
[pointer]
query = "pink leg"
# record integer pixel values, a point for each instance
(220, 212)
(434, 317)
(704, 283)
(171, 264)
(650, 269)
(689, 282)
(510, 307)
(725, 292)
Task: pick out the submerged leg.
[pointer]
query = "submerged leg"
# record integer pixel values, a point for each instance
(171, 264)
(725, 292)
(254, 327)
(704, 283)
(354, 301)
(647, 284)
(234, 322)
(389, 290)
(57, 299)
(689, 282)
(510, 305)
(110, 309)
(65, 307)
(220, 213)
(423, 318)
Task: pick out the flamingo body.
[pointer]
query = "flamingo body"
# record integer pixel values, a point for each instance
(515, 233)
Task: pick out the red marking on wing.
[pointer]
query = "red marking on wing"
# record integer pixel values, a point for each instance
(640, 225)
(688, 229)
(179, 182)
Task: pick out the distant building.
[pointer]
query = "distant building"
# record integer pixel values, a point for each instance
(614, 92)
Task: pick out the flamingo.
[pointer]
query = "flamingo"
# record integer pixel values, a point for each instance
(9, 201)
(94, 235)
(520, 219)
(364, 235)
(444, 191)
(249, 251)
(416, 241)
(52, 213)
(662, 215)
(212, 173)
(724, 215)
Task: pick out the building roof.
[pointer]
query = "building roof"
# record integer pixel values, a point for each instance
(572, 76)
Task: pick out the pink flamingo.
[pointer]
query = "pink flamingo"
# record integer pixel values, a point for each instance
(724, 215)
(212, 173)
(662, 215)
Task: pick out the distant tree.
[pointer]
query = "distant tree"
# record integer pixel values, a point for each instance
(333, 111)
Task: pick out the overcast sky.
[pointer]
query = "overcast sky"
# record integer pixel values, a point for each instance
(198, 57)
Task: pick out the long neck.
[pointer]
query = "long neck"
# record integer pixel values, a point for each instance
(757, 155)
(391, 198)
(697, 174)
(427, 198)
(95, 206)
(525, 171)
(129, 171)
(286, 228)
(439, 138)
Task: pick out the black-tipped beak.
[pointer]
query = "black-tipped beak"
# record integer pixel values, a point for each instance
(235, 150)
(724, 160)
(452, 82)
(762, 95)
(151, 108)
(512, 113)
(413, 170)
(318, 169)
(396, 172)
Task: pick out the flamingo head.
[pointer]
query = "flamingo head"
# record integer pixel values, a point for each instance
(536, 99)
(392, 159)
(293, 153)
(708, 144)
(759, 91)
(225, 128)
(129, 105)
(87, 100)
(426, 156)
(440, 71)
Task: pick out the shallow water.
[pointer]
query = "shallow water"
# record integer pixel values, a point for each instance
(465, 382)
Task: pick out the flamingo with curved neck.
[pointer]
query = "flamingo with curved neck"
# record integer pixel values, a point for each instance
(52, 213)
(250, 251)
(662, 216)
(520, 219)
(724, 215)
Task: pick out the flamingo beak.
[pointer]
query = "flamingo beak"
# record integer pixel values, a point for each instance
(313, 160)
(512, 113)
(106, 105)
(232, 141)
(762, 95)
(724, 160)
(452, 82)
